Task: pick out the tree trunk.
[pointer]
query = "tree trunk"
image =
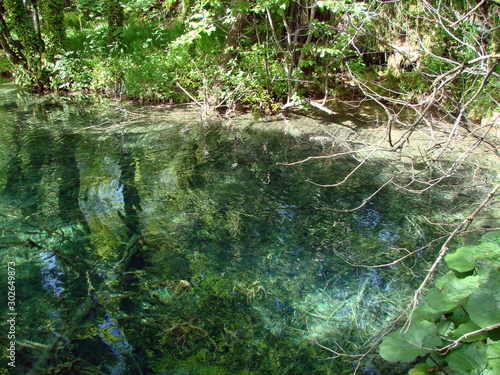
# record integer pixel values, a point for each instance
(23, 26)
(31, 43)
(52, 12)
(115, 17)
(11, 49)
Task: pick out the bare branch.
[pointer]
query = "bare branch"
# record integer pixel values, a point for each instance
(366, 200)
(467, 335)
(444, 249)
(323, 157)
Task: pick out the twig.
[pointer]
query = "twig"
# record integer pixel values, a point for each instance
(463, 337)
(366, 200)
(323, 157)
(188, 94)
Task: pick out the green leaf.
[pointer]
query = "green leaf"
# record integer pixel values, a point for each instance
(458, 316)
(394, 348)
(444, 327)
(461, 288)
(405, 347)
(424, 311)
(488, 273)
(445, 279)
(484, 304)
(419, 369)
(488, 250)
(468, 357)
(493, 355)
(439, 301)
(492, 237)
(462, 260)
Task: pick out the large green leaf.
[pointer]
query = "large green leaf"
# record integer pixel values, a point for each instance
(445, 279)
(488, 250)
(461, 288)
(484, 304)
(394, 348)
(458, 316)
(419, 369)
(405, 347)
(444, 327)
(493, 355)
(439, 301)
(468, 357)
(424, 311)
(462, 260)
(453, 292)
(493, 237)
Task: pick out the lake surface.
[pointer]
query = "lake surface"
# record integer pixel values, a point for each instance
(146, 244)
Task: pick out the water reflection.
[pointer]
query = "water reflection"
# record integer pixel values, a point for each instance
(189, 249)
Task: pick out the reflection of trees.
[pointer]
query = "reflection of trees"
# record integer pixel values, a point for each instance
(45, 227)
(198, 242)
(101, 200)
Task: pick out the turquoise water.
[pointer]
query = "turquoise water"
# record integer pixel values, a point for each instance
(147, 245)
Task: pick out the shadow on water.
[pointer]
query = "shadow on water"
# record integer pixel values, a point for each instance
(188, 248)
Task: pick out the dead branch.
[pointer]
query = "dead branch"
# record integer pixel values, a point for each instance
(444, 249)
(465, 336)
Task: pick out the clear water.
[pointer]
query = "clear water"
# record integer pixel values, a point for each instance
(155, 247)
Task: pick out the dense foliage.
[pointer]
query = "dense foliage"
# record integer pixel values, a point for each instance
(458, 321)
(260, 52)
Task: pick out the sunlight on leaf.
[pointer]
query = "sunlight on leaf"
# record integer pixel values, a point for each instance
(471, 357)
(405, 347)
(484, 304)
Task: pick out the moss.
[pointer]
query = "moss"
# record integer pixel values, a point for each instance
(115, 17)
(23, 27)
(53, 26)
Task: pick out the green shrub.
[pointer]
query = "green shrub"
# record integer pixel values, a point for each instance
(5, 68)
(70, 73)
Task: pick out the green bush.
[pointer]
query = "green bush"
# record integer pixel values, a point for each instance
(457, 326)
(70, 73)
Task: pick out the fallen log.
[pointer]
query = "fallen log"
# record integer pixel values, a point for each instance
(310, 102)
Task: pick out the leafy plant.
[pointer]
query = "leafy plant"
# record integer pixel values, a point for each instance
(70, 73)
(458, 323)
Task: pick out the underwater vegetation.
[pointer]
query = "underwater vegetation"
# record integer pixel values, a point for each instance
(151, 246)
